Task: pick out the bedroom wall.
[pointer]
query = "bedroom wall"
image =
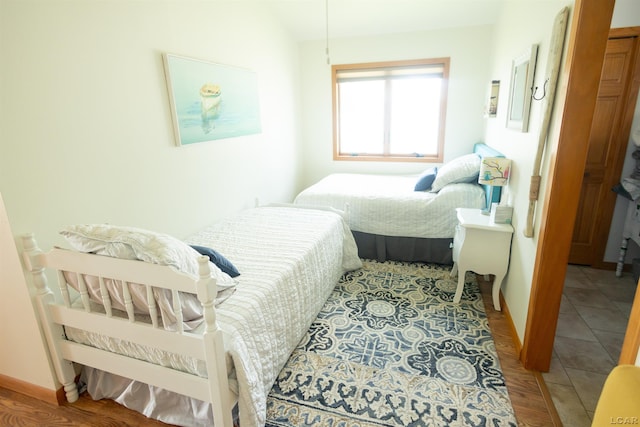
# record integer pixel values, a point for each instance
(478, 56)
(31, 360)
(521, 25)
(469, 49)
(86, 133)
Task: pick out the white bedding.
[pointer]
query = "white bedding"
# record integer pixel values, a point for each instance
(289, 264)
(388, 205)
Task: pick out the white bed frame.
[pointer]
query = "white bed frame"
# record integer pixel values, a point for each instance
(55, 314)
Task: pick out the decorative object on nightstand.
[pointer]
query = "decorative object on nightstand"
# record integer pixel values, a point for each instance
(494, 172)
(501, 214)
(481, 246)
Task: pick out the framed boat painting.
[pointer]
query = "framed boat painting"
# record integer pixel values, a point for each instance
(211, 101)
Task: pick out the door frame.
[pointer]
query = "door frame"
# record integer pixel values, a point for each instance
(588, 37)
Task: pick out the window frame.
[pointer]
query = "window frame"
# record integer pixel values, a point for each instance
(427, 158)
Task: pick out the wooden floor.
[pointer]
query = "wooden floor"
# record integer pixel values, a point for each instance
(530, 398)
(526, 390)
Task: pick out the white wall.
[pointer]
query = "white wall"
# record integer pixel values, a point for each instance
(478, 56)
(521, 25)
(86, 133)
(30, 356)
(469, 50)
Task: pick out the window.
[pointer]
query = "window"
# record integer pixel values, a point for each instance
(390, 110)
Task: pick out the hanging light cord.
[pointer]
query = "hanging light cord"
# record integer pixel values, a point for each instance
(326, 9)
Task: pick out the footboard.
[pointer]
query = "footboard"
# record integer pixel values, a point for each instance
(75, 309)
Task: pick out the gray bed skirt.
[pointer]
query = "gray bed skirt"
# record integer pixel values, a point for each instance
(412, 249)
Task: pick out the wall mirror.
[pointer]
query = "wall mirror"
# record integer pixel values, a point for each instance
(522, 71)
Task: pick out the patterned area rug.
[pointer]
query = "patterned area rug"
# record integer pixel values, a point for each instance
(390, 348)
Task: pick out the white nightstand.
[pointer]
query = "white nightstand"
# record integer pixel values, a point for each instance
(481, 246)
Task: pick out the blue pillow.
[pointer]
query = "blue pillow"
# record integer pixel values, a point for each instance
(426, 179)
(218, 259)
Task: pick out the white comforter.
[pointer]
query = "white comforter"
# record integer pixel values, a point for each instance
(388, 205)
(289, 265)
(289, 261)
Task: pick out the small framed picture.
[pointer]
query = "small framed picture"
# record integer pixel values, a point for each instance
(492, 104)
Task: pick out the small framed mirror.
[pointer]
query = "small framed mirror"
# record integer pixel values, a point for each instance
(521, 92)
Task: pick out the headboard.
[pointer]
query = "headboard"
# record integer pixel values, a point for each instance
(483, 150)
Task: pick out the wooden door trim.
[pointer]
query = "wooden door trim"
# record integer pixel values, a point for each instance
(624, 32)
(588, 38)
(629, 352)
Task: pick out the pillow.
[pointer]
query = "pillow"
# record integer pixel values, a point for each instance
(144, 245)
(426, 179)
(462, 169)
(218, 259)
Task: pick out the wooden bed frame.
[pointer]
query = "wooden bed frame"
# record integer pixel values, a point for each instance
(55, 314)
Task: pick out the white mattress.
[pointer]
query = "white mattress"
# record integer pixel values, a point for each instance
(290, 260)
(388, 205)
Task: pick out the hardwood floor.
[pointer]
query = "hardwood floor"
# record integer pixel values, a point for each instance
(526, 390)
(19, 410)
(530, 398)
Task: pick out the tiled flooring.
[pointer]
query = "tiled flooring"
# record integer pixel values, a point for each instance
(593, 318)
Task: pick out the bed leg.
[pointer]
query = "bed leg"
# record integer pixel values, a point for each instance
(52, 331)
(71, 391)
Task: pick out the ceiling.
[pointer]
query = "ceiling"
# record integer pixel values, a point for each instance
(306, 19)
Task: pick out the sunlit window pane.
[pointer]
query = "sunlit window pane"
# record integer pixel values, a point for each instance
(362, 117)
(390, 111)
(415, 114)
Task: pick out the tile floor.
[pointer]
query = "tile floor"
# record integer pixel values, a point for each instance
(591, 325)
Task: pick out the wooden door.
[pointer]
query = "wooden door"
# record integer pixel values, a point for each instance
(608, 142)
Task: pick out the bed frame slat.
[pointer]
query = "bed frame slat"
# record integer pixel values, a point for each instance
(141, 333)
(84, 293)
(128, 302)
(177, 309)
(151, 305)
(132, 271)
(64, 290)
(148, 373)
(106, 298)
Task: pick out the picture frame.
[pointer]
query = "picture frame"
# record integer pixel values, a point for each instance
(211, 101)
(521, 90)
(491, 109)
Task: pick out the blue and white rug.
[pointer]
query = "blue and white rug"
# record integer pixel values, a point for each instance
(390, 348)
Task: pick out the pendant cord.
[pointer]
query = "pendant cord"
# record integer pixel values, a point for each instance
(326, 8)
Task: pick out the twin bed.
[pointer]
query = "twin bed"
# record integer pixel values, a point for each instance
(196, 332)
(391, 220)
(183, 367)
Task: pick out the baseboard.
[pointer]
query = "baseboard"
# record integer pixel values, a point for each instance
(55, 397)
(606, 265)
(514, 333)
(551, 407)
